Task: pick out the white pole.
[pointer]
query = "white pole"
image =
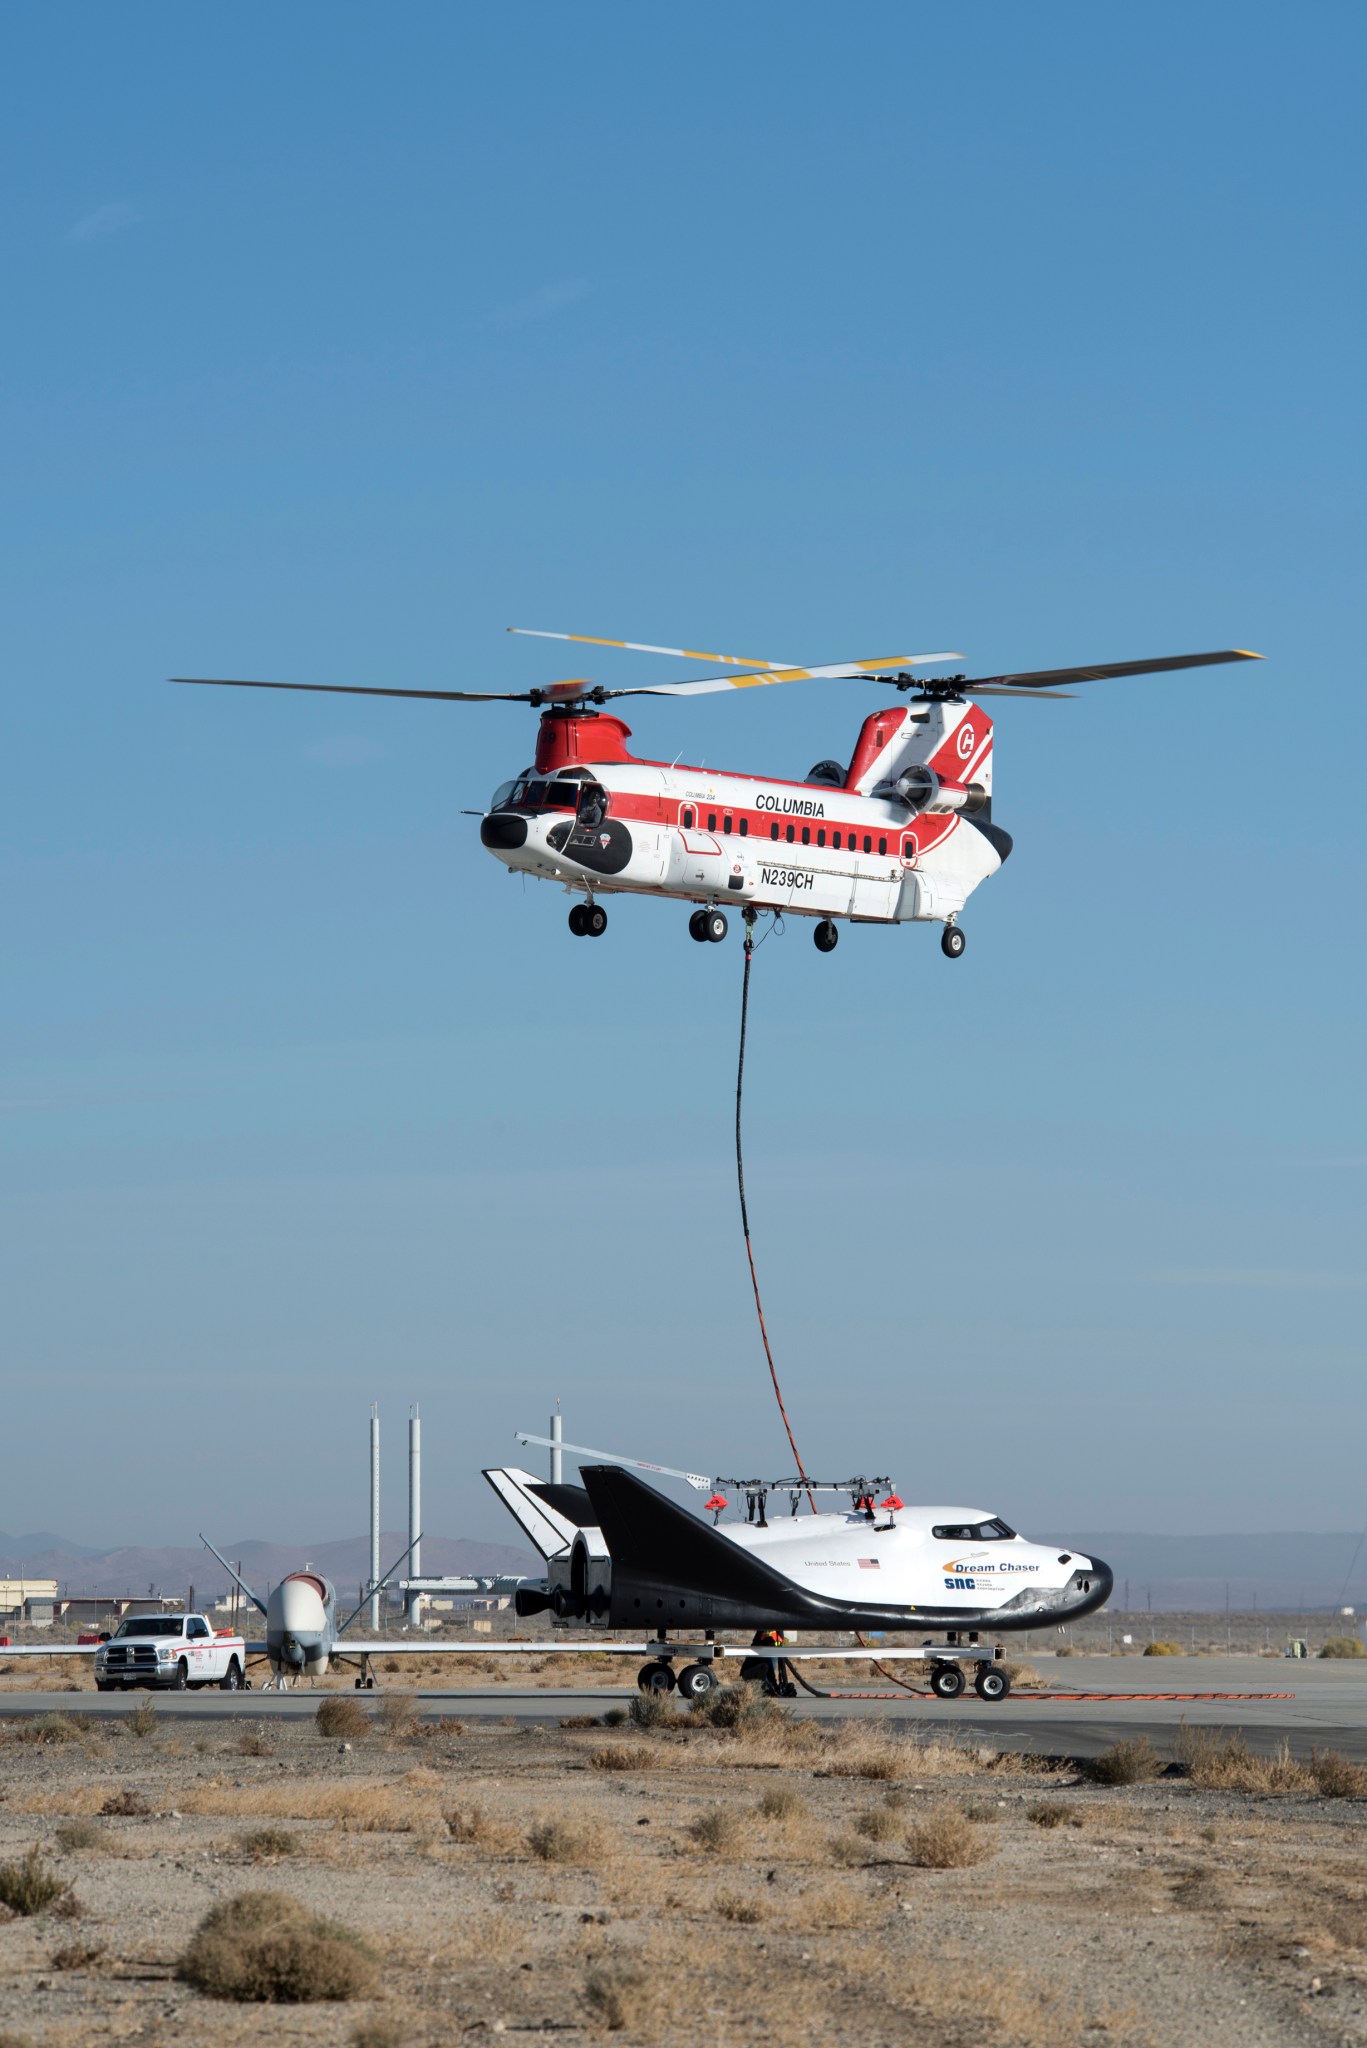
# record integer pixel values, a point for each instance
(413, 1605)
(557, 1459)
(375, 1566)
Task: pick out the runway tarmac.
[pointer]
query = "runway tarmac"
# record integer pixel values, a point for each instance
(1329, 1710)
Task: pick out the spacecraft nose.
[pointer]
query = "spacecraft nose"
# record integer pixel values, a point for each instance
(503, 830)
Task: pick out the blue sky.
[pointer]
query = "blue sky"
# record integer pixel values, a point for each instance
(340, 340)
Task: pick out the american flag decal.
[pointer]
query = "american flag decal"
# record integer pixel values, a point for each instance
(868, 1564)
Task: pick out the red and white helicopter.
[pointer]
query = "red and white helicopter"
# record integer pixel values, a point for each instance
(904, 833)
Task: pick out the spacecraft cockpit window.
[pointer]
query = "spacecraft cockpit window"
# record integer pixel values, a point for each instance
(993, 1530)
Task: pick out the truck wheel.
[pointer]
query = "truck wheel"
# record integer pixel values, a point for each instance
(103, 1685)
(181, 1681)
(231, 1680)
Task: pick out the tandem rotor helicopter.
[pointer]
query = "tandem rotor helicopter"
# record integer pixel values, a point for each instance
(903, 833)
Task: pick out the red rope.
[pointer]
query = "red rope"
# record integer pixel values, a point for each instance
(745, 1214)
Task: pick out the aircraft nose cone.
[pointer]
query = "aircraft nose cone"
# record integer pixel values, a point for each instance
(300, 1609)
(503, 830)
(1103, 1581)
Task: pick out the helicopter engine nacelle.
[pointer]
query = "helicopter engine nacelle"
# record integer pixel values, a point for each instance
(921, 789)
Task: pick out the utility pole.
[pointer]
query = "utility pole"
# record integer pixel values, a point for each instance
(413, 1605)
(375, 1516)
(557, 1455)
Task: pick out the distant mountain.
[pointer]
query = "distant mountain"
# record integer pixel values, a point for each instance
(346, 1561)
(13, 1549)
(1286, 1574)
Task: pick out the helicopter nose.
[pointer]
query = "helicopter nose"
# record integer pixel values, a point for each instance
(503, 830)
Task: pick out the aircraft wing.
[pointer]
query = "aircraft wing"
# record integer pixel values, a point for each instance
(345, 1646)
(50, 1650)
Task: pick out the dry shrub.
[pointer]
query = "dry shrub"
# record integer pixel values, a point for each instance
(717, 1829)
(254, 1742)
(126, 1804)
(649, 1710)
(584, 1721)
(342, 1716)
(780, 1802)
(143, 1719)
(29, 1886)
(1337, 1776)
(1047, 1813)
(266, 1844)
(1021, 1674)
(392, 1664)
(1217, 1762)
(73, 1835)
(266, 1947)
(396, 1713)
(77, 1955)
(878, 1756)
(743, 1909)
(878, 1824)
(620, 1756)
(1162, 1649)
(365, 1807)
(615, 1717)
(376, 2034)
(947, 1840)
(471, 1824)
(1344, 1646)
(621, 1997)
(741, 1710)
(1066, 1650)
(983, 1812)
(48, 1729)
(1133, 1761)
(567, 1841)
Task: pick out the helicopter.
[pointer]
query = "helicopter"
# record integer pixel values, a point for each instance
(901, 833)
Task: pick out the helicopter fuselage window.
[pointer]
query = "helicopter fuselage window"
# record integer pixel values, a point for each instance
(687, 819)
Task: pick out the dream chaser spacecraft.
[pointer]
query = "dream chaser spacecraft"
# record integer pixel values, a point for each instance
(621, 1555)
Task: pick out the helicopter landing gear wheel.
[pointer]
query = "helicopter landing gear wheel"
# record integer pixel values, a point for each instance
(595, 921)
(952, 942)
(696, 1681)
(656, 1678)
(946, 1681)
(714, 926)
(827, 936)
(576, 920)
(990, 1683)
(697, 927)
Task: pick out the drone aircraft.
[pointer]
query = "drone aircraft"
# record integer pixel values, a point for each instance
(620, 1555)
(902, 833)
(303, 1634)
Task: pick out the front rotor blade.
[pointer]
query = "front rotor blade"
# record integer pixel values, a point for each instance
(836, 669)
(1100, 672)
(646, 647)
(364, 690)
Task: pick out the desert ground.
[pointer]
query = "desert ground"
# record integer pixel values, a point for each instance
(746, 1872)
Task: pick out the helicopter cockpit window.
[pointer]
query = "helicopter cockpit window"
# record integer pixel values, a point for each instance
(593, 804)
(991, 1531)
(503, 796)
(564, 795)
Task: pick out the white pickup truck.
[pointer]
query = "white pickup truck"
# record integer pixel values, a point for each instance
(178, 1651)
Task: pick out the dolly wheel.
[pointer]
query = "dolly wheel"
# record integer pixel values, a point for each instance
(655, 1677)
(696, 1681)
(991, 1683)
(946, 1681)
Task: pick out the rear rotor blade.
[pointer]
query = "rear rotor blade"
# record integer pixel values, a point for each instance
(1100, 672)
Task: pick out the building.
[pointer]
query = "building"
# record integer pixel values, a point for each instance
(30, 1600)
